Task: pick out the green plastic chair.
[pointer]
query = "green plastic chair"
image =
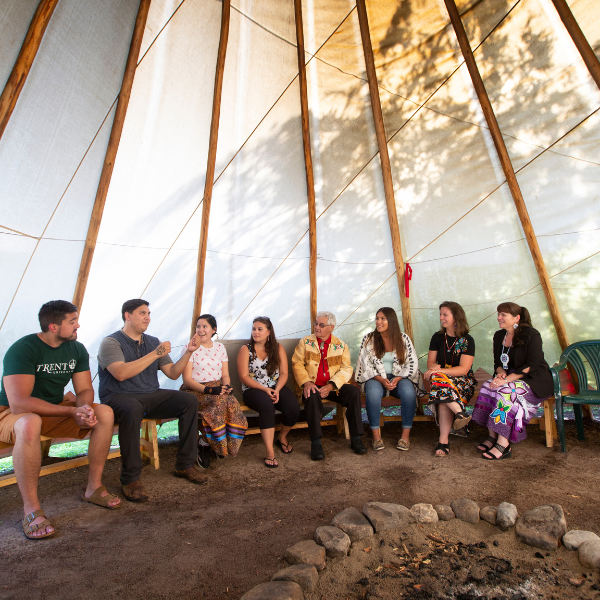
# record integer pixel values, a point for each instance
(576, 354)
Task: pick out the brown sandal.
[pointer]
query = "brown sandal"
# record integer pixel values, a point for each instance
(28, 528)
(99, 500)
(135, 492)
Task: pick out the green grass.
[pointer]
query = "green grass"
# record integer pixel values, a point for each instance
(168, 431)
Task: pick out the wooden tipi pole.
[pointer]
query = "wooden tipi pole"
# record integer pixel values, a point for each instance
(310, 182)
(111, 153)
(386, 168)
(210, 163)
(588, 55)
(509, 172)
(18, 76)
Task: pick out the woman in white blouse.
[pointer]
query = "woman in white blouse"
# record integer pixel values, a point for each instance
(207, 376)
(387, 364)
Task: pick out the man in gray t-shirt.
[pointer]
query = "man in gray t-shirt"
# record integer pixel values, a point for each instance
(128, 364)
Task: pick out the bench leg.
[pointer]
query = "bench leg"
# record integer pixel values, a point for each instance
(45, 447)
(549, 422)
(149, 443)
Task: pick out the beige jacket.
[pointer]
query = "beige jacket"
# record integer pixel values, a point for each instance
(307, 357)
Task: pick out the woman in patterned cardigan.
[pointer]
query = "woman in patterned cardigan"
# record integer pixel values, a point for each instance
(387, 364)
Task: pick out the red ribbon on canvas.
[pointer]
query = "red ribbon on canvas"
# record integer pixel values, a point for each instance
(407, 278)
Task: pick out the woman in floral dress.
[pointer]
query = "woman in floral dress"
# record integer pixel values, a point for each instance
(522, 382)
(449, 362)
(206, 375)
(263, 369)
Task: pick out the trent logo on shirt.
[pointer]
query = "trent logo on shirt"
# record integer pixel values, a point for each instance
(57, 368)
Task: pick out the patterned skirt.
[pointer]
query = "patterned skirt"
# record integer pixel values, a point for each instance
(446, 389)
(223, 424)
(507, 409)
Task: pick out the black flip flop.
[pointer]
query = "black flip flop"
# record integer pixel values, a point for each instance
(273, 464)
(282, 446)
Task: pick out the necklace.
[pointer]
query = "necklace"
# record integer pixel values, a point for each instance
(504, 355)
(449, 349)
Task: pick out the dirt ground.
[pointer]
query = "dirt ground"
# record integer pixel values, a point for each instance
(218, 540)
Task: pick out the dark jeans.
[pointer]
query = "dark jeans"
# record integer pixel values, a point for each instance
(349, 398)
(261, 402)
(129, 411)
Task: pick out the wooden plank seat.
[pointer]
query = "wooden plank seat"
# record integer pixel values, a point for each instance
(148, 449)
(546, 423)
(289, 345)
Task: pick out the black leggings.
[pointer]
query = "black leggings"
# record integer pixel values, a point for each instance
(261, 402)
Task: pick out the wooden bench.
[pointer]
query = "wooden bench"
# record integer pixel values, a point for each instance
(289, 345)
(546, 423)
(148, 449)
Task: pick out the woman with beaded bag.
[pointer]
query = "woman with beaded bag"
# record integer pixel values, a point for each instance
(449, 370)
(206, 375)
(522, 382)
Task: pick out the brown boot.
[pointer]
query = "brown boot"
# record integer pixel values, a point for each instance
(135, 492)
(192, 474)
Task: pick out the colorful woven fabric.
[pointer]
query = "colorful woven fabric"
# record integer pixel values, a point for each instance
(446, 389)
(507, 409)
(223, 424)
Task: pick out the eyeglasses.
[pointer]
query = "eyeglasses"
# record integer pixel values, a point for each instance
(322, 325)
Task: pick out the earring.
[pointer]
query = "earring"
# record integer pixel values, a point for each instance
(217, 335)
(515, 325)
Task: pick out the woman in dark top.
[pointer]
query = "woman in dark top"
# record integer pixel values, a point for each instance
(522, 382)
(263, 369)
(449, 363)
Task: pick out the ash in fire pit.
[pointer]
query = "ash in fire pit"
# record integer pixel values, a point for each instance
(453, 561)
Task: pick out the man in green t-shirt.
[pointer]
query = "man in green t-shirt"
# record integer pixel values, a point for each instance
(36, 370)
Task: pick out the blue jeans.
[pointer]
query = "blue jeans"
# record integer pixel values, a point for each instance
(405, 391)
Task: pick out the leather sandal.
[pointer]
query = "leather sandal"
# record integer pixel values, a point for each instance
(28, 528)
(99, 500)
(444, 447)
(134, 492)
(191, 474)
(460, 420)
(483, 448)
(505, 450)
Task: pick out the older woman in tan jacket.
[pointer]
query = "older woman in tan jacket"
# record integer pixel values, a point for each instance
(322, 369)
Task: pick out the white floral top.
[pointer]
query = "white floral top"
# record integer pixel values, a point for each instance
(257, 369)
(207, 363)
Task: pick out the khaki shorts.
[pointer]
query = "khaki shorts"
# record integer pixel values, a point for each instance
(54, 427)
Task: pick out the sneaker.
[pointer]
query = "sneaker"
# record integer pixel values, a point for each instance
(403, 445)
(203, 459)
(358, 446)
(378, 445)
